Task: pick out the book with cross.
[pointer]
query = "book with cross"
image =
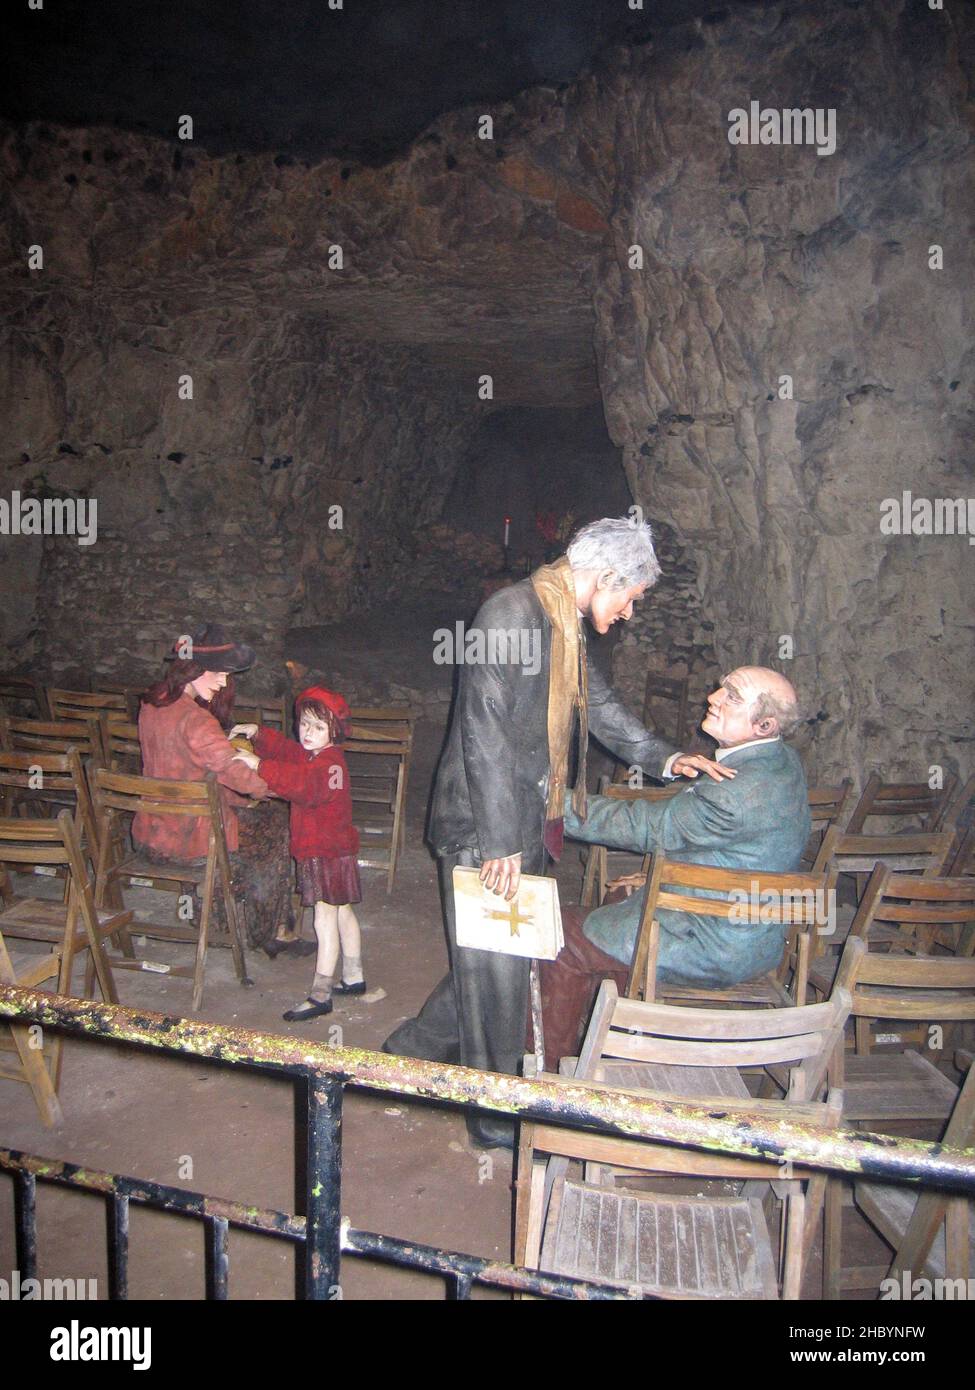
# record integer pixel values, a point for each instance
(530, 925)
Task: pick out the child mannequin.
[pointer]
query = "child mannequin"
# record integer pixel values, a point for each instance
(312, 775)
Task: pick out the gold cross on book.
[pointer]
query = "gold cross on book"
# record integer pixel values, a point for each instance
(511, 916)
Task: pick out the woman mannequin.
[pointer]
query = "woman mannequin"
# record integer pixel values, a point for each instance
(181, 730)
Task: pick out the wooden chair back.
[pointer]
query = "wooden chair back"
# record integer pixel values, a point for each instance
(962, 817)
(131, 694)
(52, 736)
(123, 751)
(894, 800)
(795, 902)
(18, 693)
(845, 853)
(272, 714)
(86, 704)
(913, 913)
(828, 806)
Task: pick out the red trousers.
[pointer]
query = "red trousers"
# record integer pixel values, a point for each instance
(569, 984)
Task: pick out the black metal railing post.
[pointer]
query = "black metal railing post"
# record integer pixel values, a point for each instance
(323, 1216)
(117, 1220)
(25, 1222)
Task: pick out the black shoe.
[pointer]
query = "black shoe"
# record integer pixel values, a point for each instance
(300, 948)
(273, 948)
(491, 1132)
(342, 988)
(309, 1009)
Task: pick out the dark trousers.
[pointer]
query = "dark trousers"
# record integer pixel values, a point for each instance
(476, 1015)
(569, 984)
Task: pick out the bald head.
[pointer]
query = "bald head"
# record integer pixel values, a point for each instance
(751, 702)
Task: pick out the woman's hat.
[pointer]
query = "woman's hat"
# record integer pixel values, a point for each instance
(210, 648)
(329, 699)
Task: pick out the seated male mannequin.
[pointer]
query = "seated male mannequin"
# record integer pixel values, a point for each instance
(757, 820)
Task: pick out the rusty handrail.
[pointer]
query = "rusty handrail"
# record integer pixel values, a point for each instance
(730, 1130)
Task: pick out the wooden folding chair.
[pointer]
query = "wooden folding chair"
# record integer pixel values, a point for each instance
(378, 754)
(67, 928)
(961, 815)
(597, 873)
(23, 697)
(670, 1244)
(895, 800)
(931, 1233)
(794, 902)
(924, 853)
(118, 794)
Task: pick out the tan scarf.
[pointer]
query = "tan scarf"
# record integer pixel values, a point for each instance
(568, 687)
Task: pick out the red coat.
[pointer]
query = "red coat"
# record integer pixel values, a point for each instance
(317, 785)
(183, 742)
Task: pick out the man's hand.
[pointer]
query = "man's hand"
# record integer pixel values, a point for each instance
(251, 759)
(628, 882)
(690, 764)
(502, 875)
(243, 731)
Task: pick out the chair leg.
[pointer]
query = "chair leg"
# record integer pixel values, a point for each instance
(201, 943)
(794, 1221)
(42, 1085)
(833, 1239)
(956, 1239)
(861, 1027)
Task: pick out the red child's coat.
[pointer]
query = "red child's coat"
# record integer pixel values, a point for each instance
(317, 786)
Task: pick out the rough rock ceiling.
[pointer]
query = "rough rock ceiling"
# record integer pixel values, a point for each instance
(359, 82)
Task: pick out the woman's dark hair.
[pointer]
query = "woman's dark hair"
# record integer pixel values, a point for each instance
(178, 676)
(336, 729)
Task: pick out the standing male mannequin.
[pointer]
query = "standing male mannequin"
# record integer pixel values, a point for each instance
(499, 792)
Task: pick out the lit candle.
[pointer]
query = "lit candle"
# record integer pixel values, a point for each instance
(507, 527)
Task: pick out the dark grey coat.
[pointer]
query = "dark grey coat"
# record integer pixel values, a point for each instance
(492, 783)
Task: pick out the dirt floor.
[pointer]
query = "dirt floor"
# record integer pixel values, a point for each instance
(409, 1169)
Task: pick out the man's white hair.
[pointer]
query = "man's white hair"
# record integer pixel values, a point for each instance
(618, 544)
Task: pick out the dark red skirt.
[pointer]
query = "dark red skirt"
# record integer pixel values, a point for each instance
(334, 881)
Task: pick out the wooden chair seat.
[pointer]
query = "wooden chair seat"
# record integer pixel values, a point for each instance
(33, 969)
(895, 1086)
(684, 1247)
(137, 866)
(691, 1083)
(36, 919)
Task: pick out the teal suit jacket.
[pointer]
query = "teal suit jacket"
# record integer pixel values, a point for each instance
(757, 820)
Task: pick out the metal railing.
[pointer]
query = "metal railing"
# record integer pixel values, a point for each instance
(326, 1071)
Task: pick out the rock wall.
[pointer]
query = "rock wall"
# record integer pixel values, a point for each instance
(222, 505)
(764, 262)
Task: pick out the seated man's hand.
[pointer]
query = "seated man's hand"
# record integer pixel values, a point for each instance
(690, 764)
(243, 731)
(502, 875)
(628, 882)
